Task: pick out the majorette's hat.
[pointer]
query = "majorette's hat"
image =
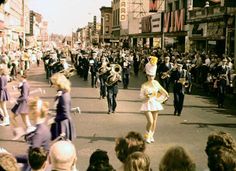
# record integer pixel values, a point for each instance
(151, 66)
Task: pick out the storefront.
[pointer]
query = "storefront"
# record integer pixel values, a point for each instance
(175, 29)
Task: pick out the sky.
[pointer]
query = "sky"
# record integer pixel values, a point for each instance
(65, 16)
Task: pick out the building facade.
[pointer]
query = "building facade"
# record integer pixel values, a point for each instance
(106, 25)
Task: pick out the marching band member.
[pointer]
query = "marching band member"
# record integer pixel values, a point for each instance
(63, 121)
(112, 87)
(164, 71)
(21, 108)
(93, 69)
(126, 65)
(181, 78)
(223, 79)
(150, 92)
(102, 74)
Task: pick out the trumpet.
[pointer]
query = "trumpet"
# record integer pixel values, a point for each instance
(184, 82)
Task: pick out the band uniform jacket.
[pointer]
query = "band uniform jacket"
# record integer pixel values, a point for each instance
(176, 75)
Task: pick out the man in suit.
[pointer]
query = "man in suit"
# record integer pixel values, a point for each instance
(223, 79)
(180, 77)
(164, 73)
(93, 70)
(112, 90)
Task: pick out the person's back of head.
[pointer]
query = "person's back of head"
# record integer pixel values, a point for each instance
(37, 158)
(8, 162)
(99, 161)
(137, 161)
(62, 156)
(132, 142)
(221, 152)
(176, 159)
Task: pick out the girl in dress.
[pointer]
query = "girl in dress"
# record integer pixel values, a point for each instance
(21, 108)
(4, 96)
(63, 121)
(152, 94)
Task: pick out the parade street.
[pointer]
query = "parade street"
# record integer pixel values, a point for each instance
(98, 130)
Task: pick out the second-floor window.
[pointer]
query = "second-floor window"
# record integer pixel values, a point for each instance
(107, 17)
(107, 29)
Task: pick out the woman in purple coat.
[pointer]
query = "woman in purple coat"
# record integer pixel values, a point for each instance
(4, 96)
(63, 121)
(21, 108)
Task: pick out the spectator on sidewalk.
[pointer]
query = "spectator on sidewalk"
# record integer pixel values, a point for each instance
(221, 152)
(99, 161)
(137, 161)
(177, 159)
(37, 158)
(125, 146)
(8, 161)
(62, 156)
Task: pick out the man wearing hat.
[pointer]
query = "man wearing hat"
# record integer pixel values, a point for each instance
(152, 94)
(164, 73)
(181, 78)
(223, 79)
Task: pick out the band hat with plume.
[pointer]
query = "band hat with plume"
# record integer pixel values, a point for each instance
(151, 66)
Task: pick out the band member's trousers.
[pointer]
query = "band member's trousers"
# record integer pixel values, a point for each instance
(165, 83)
(111, 98)
(102, 87)
(125, 79)
(93, 79)
(178, 102)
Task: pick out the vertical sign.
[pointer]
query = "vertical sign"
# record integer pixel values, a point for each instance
(94, 25)
(123, 10)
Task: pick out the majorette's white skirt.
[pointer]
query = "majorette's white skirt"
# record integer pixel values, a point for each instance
(151, 105)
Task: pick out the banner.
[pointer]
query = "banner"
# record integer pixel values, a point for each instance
(123, 10)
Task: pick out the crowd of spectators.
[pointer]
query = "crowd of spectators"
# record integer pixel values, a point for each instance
(130, 150)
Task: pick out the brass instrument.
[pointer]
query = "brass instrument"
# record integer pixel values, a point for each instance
(114, 74)
(69, 72)
(184, 82)
(103, 69)
(166, 74)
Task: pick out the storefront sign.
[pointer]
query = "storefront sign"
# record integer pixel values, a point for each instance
(146, 24)
(156, 22)
(174, 21)
(123, 10)
(215, 29)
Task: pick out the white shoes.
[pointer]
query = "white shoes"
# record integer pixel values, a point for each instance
(149, 138)
(30, 129)
(6, 121)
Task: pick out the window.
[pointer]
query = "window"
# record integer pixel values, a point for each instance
(107, 29)
(170, 7)
(107, 17)
(176, 5)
